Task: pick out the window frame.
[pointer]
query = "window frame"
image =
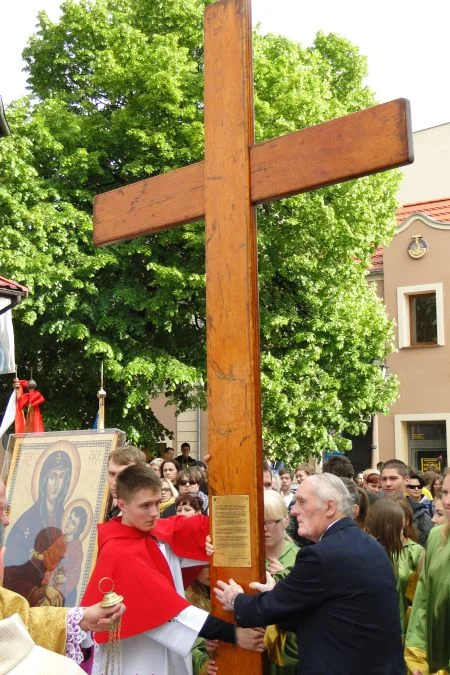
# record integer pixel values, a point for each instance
(404, 327)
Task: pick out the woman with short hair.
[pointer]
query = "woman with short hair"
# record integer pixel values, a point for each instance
(168, 496)
(188, 482)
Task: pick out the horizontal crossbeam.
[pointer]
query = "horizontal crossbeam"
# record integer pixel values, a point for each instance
(362, 143)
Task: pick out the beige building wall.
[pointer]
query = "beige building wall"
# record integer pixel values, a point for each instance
(190, 426)
(428, 178)
(423, 372)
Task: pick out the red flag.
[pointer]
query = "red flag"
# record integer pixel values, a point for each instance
(31, 400)
(20, 417)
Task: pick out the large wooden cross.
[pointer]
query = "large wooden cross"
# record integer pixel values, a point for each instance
(224, 189)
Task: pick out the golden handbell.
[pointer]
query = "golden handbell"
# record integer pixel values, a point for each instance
(110, 598)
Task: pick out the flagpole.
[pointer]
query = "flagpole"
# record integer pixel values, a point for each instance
(101, 395)
(18, 391)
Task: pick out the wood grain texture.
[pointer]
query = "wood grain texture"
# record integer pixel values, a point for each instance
(237, 175)
(359, 144)
(364, 142)
(233, 369)
(150, 205)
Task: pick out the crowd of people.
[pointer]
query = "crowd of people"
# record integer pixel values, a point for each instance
(408, 514)
(357, 573)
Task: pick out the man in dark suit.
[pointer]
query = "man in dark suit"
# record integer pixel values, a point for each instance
(339, 598)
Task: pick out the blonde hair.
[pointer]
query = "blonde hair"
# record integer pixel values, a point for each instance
(172, 488)
(307, 468)
(368, 472)
(127, 454)
(274, 505)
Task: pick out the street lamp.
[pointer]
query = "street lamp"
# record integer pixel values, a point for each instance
(375, 455)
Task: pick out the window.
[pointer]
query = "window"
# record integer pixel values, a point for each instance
(420, 315)
(427, 431)
(423, 319)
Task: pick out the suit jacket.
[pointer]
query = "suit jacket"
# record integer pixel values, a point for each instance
(340, 598)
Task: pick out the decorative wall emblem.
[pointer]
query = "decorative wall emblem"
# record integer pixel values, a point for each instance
(417, 246)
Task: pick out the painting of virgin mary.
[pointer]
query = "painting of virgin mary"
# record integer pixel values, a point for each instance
(47, 511)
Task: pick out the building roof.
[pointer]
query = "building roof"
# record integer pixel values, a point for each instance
(438, 209)
(377, 260)
(8, 287)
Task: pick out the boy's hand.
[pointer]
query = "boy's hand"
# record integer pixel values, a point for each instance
(211, 646)
(251, 638)
(209, 548)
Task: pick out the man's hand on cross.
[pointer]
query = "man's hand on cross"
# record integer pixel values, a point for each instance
(226, 593)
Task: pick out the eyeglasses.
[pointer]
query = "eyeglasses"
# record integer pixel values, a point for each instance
(272, 523)
(165, 489)
(187, 482)
(413, 487)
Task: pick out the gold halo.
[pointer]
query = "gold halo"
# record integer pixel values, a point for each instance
(71, 505)
(100, 585)
(72, 451)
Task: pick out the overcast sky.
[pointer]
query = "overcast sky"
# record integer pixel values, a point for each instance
(406, 43)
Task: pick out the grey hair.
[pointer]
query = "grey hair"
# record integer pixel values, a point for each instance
(331, 487)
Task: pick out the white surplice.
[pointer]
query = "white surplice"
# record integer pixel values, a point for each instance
(164, 650)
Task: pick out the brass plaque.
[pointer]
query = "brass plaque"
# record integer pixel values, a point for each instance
(231, 531)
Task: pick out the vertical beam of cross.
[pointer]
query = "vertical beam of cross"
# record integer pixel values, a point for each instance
(234, 402)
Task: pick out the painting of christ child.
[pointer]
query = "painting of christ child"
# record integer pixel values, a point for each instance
(47, 511)
(66, 575)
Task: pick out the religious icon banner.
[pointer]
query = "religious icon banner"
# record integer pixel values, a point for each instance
(57, 490)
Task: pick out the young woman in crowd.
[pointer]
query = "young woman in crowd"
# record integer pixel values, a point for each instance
(168, 496)
(281, 553)
(169, 469)
(427, 645)
(439, 513)
(302, 471)
(372, 482)
(435, 488)
(188, 482)
(386, 522)
(188, 505)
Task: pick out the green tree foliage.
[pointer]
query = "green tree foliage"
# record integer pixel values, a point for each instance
(116, 97)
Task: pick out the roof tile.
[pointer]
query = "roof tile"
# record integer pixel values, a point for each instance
(439, 210)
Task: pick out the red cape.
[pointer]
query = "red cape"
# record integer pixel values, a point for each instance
(140, 571)
(185, 536)
(185, 540)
